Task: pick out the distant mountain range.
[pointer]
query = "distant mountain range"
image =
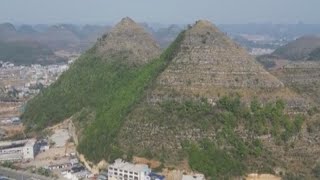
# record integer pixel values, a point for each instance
(77, 39)
(37, 44)
(304, 48)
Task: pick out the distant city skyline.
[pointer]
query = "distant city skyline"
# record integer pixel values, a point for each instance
(164, 11)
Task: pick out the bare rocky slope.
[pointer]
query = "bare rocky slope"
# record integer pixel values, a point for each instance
(209, 59)
(209, 64)
(304, 77)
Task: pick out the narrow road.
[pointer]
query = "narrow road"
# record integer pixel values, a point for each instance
(20, 175)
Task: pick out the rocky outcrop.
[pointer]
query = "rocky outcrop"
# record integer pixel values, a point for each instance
(130, 41)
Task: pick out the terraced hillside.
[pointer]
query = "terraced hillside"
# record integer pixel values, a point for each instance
(195, 111)
(304, 77)
(204, 101)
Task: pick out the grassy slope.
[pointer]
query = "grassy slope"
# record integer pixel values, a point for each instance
(107, 87)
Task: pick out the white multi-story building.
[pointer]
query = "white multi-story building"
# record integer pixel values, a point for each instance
(17, 150)
(121, 170)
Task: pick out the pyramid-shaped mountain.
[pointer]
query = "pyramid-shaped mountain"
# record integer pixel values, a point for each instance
(99, 89)
(208, 63)
(131, 41)
(191, 112)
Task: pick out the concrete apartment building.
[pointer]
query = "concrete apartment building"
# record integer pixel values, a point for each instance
(17, 150)
(121, 170)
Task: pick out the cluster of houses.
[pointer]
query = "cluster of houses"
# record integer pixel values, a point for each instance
(72, 169)
(28, 80)
(25, 150)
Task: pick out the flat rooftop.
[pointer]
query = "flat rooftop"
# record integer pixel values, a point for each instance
(120, 164)
(14, 144)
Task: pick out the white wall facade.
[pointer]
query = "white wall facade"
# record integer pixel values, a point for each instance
(23, 152)
(127, 171)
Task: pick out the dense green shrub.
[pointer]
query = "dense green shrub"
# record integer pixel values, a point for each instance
(212, 161)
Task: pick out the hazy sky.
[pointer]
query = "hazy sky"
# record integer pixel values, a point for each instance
(162, 11)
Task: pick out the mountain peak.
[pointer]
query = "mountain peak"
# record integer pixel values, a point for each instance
(203, 33)
(127, 24)
(203, 23)
(127, 20)
(130, 40)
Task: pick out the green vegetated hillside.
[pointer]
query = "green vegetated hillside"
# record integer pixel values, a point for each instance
(169, 109)
(26, 53)
(220, 141)
(105, 86)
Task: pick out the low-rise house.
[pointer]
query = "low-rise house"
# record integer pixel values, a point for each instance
(59, 166)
